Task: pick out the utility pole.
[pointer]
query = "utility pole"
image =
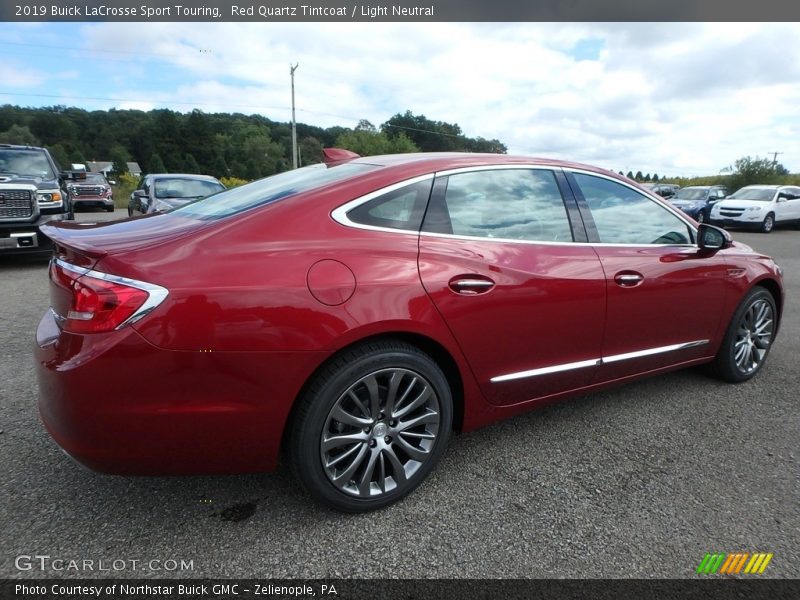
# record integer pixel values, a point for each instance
(775, 158)
(292, 69)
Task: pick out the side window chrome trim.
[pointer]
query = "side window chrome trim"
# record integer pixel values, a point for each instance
(340, 214)
(544, 242)
(596, 362)
(507, 167)
(652, 197)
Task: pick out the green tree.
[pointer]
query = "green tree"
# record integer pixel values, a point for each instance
(190, 164)
(155, 164)
(750, 171)
(639, 176)
(372, 142)
(647, 177)
(60, 155)
(655, 177)
(119, 160)
(629, 175)
(19, 134)
(310, 150)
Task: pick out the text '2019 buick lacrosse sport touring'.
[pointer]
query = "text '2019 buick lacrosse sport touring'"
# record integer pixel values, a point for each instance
(355, 313)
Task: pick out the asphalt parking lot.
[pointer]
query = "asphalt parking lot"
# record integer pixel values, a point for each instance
(640, 481)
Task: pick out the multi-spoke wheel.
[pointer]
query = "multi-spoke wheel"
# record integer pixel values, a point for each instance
(768, 224)
(371, 426)
(748, 338)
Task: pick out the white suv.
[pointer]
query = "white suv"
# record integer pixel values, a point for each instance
(759, 207)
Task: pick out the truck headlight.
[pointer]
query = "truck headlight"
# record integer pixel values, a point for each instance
(50, 197)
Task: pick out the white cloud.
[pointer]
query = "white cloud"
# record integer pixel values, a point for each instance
(662, 97)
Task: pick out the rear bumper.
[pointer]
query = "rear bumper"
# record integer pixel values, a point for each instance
(117, 404)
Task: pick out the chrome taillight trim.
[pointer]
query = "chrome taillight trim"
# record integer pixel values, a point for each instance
(155, 293)
(595, 362)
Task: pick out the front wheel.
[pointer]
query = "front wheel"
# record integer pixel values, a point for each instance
(768, 223)
(371, 426)
(749, 337)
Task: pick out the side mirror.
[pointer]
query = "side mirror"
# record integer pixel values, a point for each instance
(139, 194)
(713, 238)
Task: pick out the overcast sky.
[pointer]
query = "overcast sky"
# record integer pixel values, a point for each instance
(672, 98)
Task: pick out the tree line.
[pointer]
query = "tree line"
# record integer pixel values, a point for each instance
(219, 144)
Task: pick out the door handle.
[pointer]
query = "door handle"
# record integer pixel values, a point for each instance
(469, 286)
(628, 279)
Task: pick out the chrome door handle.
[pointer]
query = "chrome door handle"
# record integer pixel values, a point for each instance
(628, 279)
(470, 286)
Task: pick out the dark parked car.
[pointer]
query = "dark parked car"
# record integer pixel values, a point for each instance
(697, 200)
(33, 191)
(665, 190)
(162, 192)
(92, 191)
(355, 315)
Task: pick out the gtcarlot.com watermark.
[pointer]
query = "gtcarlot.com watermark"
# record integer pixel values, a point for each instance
(47, 563)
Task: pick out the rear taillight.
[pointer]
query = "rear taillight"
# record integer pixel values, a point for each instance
(86, 301)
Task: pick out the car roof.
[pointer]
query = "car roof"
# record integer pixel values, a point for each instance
(440, 161)
(18, 147)
(763, 187)
(181, 176)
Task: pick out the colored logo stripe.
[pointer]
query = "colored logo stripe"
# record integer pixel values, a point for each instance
(732, 564)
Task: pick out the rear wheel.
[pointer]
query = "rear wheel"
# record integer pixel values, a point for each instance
(371, 426)
(748, 339)
(768, 223)
(110, 208)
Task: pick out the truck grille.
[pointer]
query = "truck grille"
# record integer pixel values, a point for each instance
(88, 191)
(15, 204)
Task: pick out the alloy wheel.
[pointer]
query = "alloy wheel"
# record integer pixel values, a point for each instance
(754, 336)
(379, 433)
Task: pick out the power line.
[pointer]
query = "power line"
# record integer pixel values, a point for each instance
(76, 49)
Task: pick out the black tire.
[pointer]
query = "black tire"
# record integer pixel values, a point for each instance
(109, 209)
(130, 212)
(743, 331)
(768, 224)
(375, 367)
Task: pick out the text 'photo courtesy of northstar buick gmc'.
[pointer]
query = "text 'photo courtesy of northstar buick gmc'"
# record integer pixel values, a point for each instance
(351, 315)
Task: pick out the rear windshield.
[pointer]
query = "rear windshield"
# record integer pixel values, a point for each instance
(25, 163)
(183, 187)
(270, 189)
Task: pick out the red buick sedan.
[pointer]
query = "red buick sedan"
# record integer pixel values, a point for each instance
(355, 313)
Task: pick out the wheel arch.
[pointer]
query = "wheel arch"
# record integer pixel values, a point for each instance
(438, 353)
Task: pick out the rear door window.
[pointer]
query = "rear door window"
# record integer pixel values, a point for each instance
(504, 204)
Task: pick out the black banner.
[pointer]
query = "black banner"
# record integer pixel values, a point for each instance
(397, 10)
(391, 589)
